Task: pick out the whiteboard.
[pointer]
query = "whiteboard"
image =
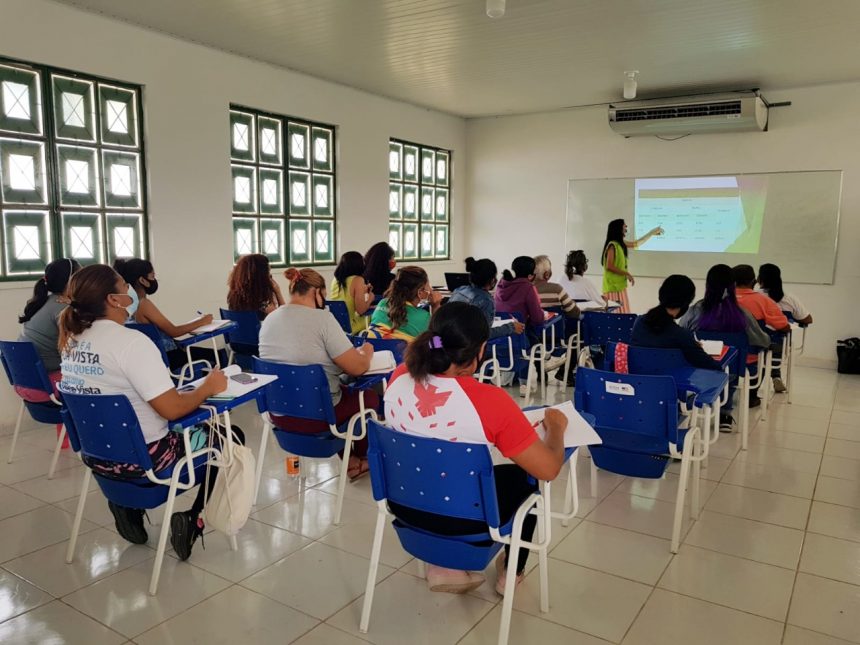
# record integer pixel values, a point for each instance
(799, 226)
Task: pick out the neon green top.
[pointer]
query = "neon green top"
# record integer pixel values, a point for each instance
(613, 282)
(356, 321)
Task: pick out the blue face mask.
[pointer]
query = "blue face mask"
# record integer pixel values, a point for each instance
(135, 301)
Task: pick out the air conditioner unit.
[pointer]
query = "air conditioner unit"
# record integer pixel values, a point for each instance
(729, 112)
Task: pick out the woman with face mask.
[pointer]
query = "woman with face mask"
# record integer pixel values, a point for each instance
(103, 356)
(140, 275)
(303, 332)
(658, 328)
(404, 312)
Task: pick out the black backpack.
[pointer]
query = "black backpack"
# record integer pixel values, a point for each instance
(848, 356)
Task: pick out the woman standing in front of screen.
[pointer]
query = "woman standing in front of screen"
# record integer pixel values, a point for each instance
(614, 261)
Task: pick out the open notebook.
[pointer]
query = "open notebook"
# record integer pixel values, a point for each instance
(578, 433)
(213, 326)
(713, 347)
(382, 363)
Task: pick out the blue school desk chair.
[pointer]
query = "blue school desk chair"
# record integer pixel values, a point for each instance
(637, 418)
(24, 368)
(189, 371)
(596, 328)
(302, 391)
(105, 427)
(456, 480)
(244, 341)
(340, 312)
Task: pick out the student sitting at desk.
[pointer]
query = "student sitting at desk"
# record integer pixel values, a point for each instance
(398, 314)
(140, 274)
(574, 281)
(516, 292)
(658, 328)
(482, 280)
(379, 263)
(349, 286)
(93, 334)
(770, 284)
(303, 332)
(719, 311)
(443, 360)
(251, 286)
(552, 294)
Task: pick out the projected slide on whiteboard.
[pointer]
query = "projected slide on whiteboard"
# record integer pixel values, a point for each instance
(700, 214)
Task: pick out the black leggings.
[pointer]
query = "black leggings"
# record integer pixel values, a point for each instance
(513, 486)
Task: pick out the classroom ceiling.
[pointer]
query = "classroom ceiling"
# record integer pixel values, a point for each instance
(542, 55)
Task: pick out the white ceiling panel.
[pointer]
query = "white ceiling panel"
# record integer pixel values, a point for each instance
(542, 55)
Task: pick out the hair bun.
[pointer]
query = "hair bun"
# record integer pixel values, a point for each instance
(292, 274)
(470, 263)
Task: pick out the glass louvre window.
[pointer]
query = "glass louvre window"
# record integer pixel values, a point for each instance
(419, 201)
(71, 169)
(283, 187)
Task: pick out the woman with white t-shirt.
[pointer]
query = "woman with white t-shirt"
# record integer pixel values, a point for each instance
(100, 355)
(770, 282)
(574, 281)
(436, 386)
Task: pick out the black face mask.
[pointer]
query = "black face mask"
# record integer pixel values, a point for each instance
(152, 288)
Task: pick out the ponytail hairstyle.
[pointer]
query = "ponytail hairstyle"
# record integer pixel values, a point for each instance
(575, 264)
(88, 291)
(677, 291)
(523, 266)
(249, 287)
(351, 263)
(614, 233)
(770, 278)
(456, 334)
(55, 280)
(132, 270)
(303, 280)
(481, 272)
(720, 308)
(403, 290)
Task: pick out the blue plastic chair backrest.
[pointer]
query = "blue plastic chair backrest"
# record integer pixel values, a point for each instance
(151, 332)
(340, 312)
(737, 340)
(775, 336)
(647, 360)
(248, 330)
(432, 475)
(393, 345)
(599, 327)
(651, 409)
(106, 428)
(23, 365)
(300, 391)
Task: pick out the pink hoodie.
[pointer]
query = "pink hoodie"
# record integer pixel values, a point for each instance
(519, 296)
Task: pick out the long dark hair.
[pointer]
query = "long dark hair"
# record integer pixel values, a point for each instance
(481, 272)
(132, 270)
(88, 291)
(56, 277)
(575, 263)
(614, 233)
(403, 290)
(770, 278)
(677, 291)
(351, 263)
(720, 308)
(456, 333)
(249, 287)
(523, 266)
(377, 262)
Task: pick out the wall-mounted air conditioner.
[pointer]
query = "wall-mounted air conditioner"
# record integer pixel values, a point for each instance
(729, 112)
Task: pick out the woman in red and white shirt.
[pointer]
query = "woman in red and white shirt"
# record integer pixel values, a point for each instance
(433, 394)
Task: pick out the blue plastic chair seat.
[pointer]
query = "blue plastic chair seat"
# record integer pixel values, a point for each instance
(320, 445)
(47, 412)
(463, 552)
(632, 454)
(142, 493)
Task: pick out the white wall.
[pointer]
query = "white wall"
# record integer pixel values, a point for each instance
(187, 91)
(518, 170)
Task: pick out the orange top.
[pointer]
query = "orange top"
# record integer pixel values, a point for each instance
(762, 307)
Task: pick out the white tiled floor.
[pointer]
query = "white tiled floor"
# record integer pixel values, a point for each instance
(773, 558)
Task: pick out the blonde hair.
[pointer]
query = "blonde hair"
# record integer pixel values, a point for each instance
(303, 280)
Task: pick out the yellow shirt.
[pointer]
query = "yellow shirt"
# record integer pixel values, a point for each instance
(356, 321)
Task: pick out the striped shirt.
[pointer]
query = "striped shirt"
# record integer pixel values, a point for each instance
(554, 295)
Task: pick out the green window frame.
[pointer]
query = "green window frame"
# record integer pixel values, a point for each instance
(284, 187)
(419, 201)
(72, 169)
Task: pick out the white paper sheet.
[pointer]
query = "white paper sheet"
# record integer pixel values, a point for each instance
(382, 362)
(712, 347)
(578, 433)
(234, 388)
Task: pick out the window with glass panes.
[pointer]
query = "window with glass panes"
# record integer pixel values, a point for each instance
(283, 187)
(419, 201)
(71, 169)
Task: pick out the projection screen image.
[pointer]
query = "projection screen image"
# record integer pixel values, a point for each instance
(700, 214)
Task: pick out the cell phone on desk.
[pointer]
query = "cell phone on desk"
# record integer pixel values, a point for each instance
(244, 379)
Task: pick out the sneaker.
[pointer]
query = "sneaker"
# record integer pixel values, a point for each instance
(778, 385)
(129, 523)
(726, 422)
(524, 389)
(553, 362)
(754, 402)
(501, 574)
(452, 580)
(185, 528)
